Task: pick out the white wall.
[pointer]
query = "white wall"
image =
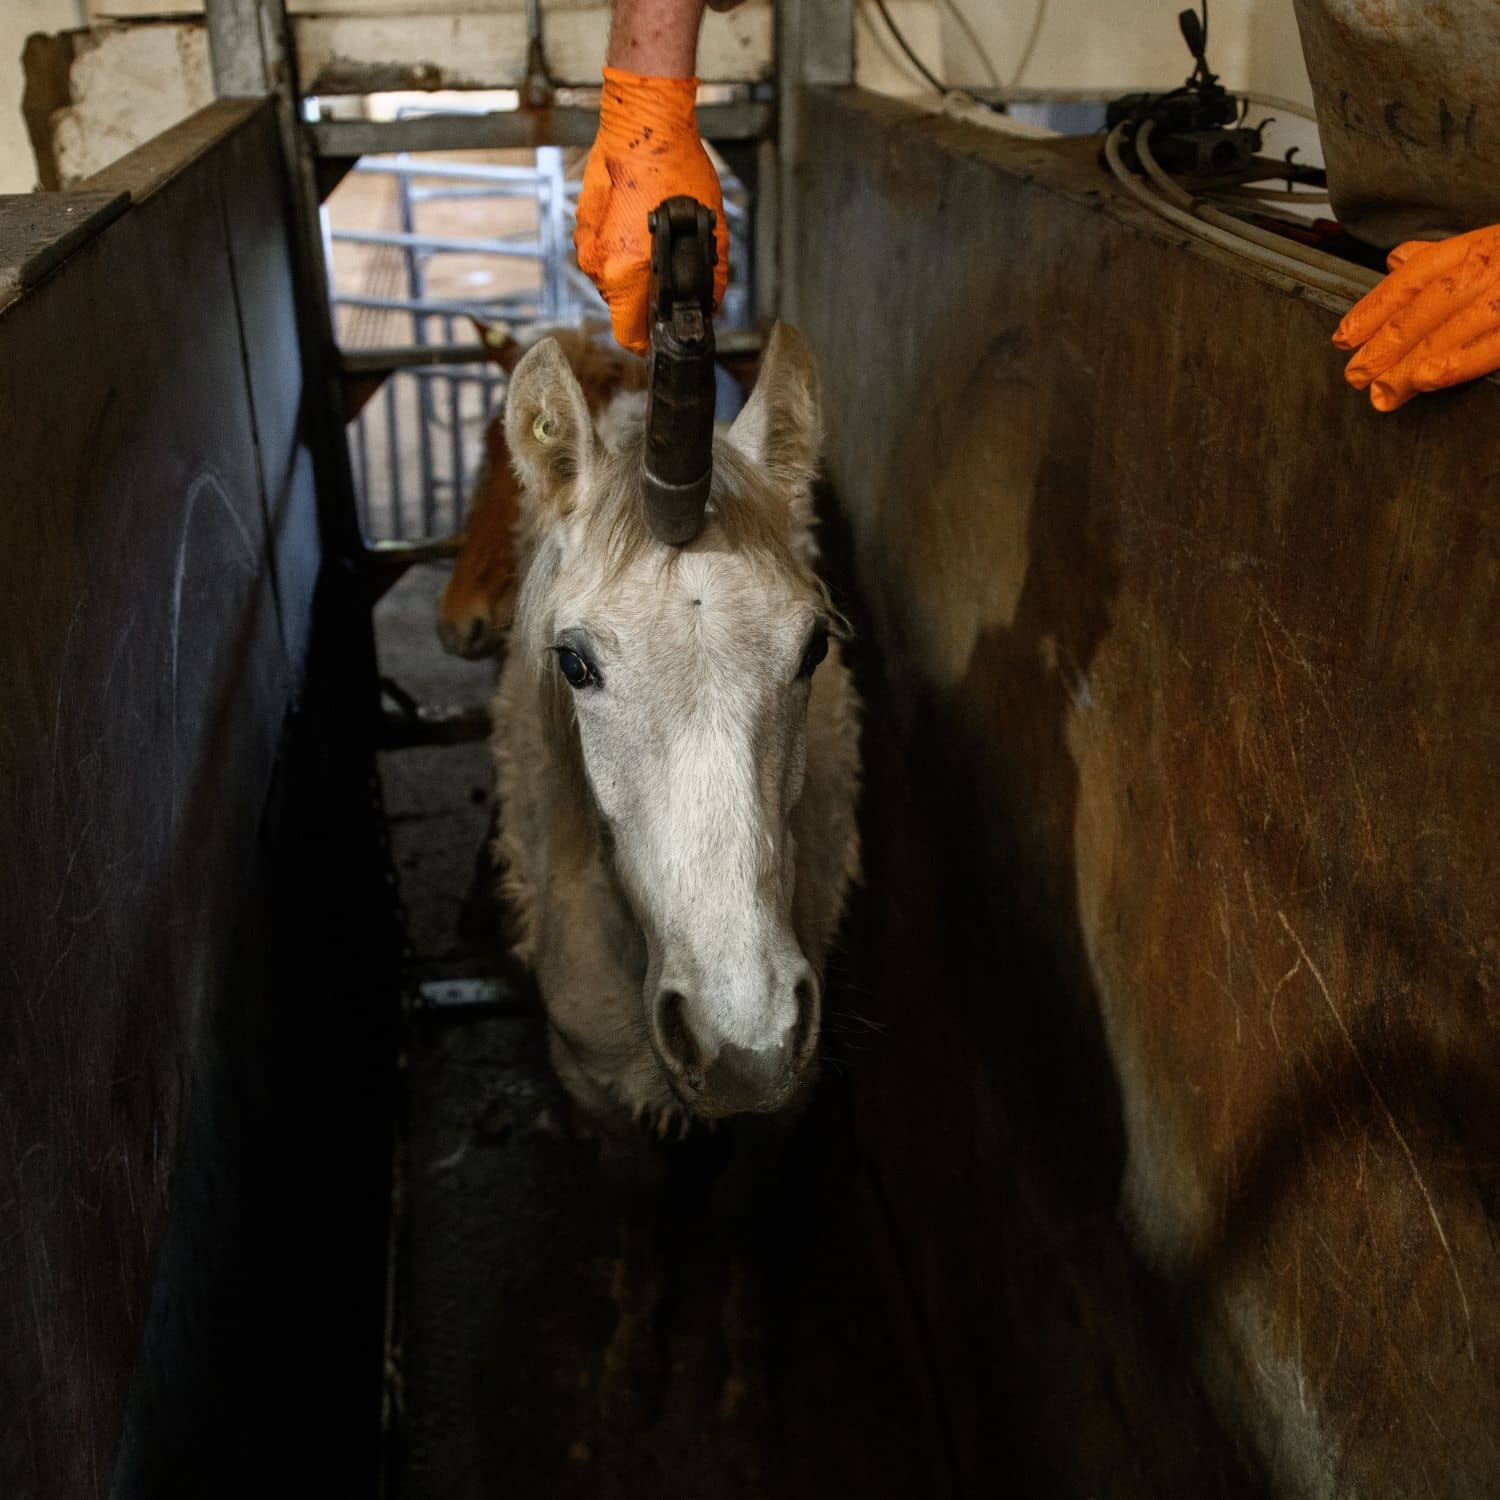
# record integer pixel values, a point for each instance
(18, 19)
(1077, 44)
(1102, 45)
(1253, 44)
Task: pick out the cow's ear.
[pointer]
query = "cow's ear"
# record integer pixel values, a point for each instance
(501, 346)
(549, 434)
(781, 427)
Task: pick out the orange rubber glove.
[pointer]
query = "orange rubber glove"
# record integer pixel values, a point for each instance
(647, 149)
(1433, 322)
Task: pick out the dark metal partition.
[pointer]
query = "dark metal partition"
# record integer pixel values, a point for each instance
(197, 954)
(1181, 840)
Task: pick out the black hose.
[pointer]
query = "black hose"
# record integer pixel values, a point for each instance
(932, 79)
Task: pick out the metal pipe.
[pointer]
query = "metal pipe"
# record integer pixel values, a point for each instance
(424, 450)
(393, 458)
(380, 359)
(437, 244)
(402, 555)
(513, 305)
(362, 452)
(455, 435)
(563, 125)
(477, 194)
(401, 166)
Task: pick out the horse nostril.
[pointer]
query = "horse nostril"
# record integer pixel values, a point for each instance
(476, 631)
(674, 1036)
(805, 1031)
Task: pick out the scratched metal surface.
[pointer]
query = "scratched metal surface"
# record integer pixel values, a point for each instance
(1180, 835)
(156, 565)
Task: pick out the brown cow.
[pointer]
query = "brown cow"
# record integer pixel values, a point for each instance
(475, 610)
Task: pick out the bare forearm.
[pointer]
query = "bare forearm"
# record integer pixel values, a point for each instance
(657, 38)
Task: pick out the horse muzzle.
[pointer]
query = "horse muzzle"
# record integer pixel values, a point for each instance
(715, 1077)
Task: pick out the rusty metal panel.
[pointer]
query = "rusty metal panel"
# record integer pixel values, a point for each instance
(147, 430)
(1181, 836)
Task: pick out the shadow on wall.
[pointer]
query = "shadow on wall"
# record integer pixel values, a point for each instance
(1062, 978)
(988, 1113)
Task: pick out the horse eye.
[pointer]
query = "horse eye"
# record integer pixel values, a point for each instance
(574, 667)
(817, 649)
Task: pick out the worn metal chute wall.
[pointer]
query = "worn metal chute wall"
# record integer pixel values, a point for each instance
(1181, 846)
(181, 878)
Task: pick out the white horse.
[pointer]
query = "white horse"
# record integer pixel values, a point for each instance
(677, 750)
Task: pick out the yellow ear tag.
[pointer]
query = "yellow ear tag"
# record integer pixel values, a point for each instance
(544, 428)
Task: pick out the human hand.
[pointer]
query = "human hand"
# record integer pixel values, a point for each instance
(1433, 322)
(647, 150)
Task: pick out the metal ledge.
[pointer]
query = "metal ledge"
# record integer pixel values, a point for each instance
(564, 125)
(38, 231)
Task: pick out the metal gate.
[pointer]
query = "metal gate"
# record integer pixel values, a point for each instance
(414, 449)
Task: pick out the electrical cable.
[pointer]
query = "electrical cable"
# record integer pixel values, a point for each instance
(1274, 260)
(1277, 244)
(946, 91)
(933, 80)
(972, 37)
(1024, 61)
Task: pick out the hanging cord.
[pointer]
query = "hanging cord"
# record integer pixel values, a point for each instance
(1341, 271)
(1029, 50)
(933, 81)
(1284, 257)
(972, 38)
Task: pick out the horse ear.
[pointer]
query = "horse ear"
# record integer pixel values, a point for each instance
(500, 345)
(781, 427)
(548, 432)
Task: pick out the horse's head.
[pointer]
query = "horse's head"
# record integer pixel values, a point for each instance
(680, 681)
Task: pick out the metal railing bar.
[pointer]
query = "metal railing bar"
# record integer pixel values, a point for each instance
(455, 418)
(415, 166)
(506, 305)
(378, 360)
(418, 291)
(461, 193)
(583, 286)
(435, 244)
(442, 449)
(563, 125)
(393, 458)
(362, 455)
(404, 554)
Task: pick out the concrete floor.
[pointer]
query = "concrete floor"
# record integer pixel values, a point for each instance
(439, 800)
(704, 1321)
